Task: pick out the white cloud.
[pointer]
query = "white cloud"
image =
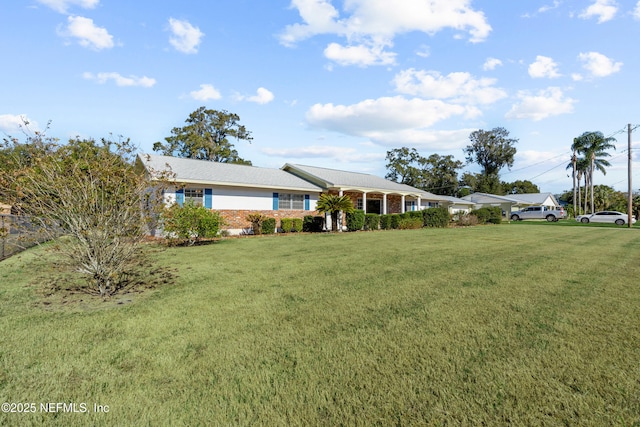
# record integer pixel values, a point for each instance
(546, 103)
(598, 64)
(206, 93)
(636, 11)
(360, 55)
(63, 5)
(543, 67)
(458, 87)
(186, 37)
(547, 8)
(491, 64)
(88, 34)
(262, 96)
(605, 10)
(340, 154)
(11, 123)
(120, 80)
(374, 24)
(387, 120)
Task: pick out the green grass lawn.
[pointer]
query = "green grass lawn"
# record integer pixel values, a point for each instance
(517, 324)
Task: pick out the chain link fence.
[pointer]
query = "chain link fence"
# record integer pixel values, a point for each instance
(18, 233)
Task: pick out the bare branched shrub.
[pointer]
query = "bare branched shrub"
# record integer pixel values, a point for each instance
(89, 192)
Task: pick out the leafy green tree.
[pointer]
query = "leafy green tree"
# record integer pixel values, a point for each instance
(491, 150)
(190, 223)
(520, 187)
(90, 193)
(333, 204)
(441, 174)
(436, 173)
(403, 165)
(206, 137)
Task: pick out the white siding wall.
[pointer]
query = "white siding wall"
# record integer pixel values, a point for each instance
(236, 198)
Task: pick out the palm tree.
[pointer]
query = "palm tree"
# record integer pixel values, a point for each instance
(333, 204)
(593, 145)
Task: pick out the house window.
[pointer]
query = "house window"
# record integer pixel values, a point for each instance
(359, 203)
(291, 201)
(409, 205)
(433, 204)
(194, 195)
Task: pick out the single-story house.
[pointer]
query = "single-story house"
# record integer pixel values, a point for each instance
(289, 192)
(512, 202)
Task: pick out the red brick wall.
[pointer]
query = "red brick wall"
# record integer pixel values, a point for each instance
(236, 219)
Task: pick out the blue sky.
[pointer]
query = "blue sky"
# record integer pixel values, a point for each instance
(332, 83)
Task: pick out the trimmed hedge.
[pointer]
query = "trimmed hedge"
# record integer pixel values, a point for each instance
(269, 226)
(435, 217)
(355, 220)
(286, 224)
(491, 215)
(312, 224)
(395, 221)
(410, 223)
(385, 222)
(371, 221)
(297, 225)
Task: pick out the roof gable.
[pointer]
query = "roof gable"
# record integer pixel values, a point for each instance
(344, 180)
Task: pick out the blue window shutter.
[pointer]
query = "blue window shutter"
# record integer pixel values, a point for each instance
(275, 201)
(180, 196)
(208, 198)
(306, 202)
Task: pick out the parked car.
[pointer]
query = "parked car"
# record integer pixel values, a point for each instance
(539, 212)
(612, 217)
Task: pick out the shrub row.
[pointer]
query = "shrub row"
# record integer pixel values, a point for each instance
(433, 217)
(488, 215)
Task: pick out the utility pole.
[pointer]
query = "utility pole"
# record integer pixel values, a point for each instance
(630, 201)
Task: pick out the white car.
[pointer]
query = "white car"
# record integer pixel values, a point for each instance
(611, 217)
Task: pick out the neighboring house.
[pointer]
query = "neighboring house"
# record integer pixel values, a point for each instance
(512, 202)
(289, 192)
(456, 205)
(537, 199)
(484, 200)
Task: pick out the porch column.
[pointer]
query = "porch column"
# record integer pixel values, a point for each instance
(384, 203)
(364, 202)
(419, 203)
(402, 204)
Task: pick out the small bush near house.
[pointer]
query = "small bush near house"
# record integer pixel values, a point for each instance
(189, 224)
(385, 222)
(256, 220)
(371, 221)
(355, 220)
(410, 223)
(465, 220)
(436, 217)
(269, 226)
(414, 214)
(296, 225)
(395, 221)
(491, 215)
(286, 224)
(312, 224)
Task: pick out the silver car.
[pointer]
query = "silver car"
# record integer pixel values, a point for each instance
(612, 217)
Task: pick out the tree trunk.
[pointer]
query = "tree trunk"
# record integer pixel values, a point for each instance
(573, 162)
